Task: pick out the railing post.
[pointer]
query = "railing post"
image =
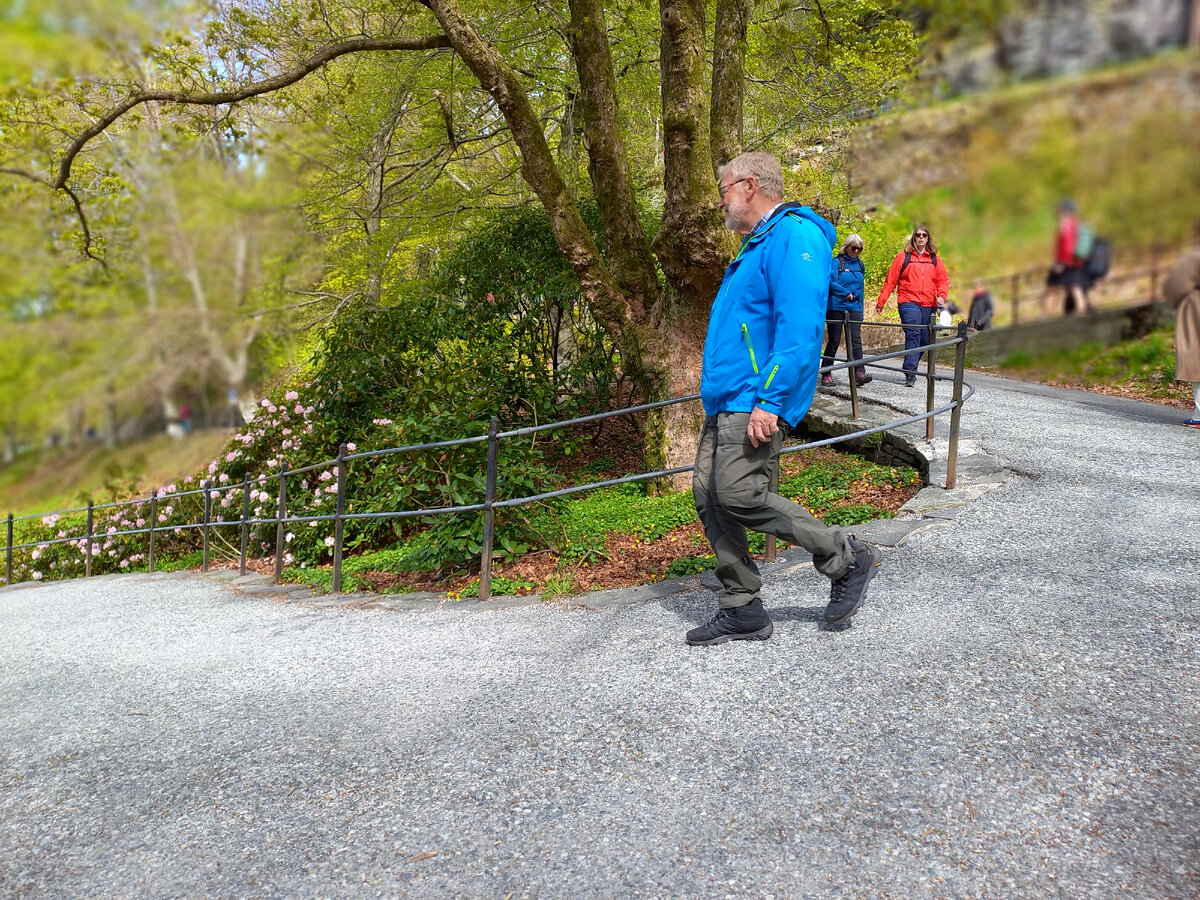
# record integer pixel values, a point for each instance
(960, 363)
(853, 379)
(8, 552)
(204, 527)
(1154, 270)
(773, 487)
(280, 515)
(153, 523)
(87, 563)
(930, 367)
(1016, 294)
(489, 512)
(339, 523)
(245, 517)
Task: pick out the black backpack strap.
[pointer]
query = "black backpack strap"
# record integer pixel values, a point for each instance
(908, 259)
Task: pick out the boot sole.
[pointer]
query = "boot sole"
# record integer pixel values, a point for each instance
(761, 635)
(877, 557)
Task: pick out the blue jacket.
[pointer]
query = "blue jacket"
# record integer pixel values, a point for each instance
(763, 345)
(845, 280)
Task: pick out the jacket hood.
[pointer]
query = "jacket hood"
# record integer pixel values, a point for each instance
(806, 212)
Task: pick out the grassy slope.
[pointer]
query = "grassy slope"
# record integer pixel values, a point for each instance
(52, 479)
(986, 172)
(1143, 369)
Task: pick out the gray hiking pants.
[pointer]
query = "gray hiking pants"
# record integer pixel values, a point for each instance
(730, 487)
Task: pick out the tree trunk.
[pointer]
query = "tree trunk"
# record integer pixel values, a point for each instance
(691, 244)
(497, 77)
(729, 67)
(628, 248)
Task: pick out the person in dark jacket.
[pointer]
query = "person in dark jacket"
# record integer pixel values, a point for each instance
(845, 312)
(758, 377)
(979, 317)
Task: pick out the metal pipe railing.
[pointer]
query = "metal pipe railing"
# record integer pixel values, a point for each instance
(490, 503)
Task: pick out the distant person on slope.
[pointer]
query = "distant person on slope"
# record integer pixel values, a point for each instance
(921, 284)
(845, 311)
(979, 317)
(1182, 290)
(1070, 263)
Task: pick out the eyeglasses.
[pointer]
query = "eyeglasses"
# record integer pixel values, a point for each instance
(725, 187)
(853, 249)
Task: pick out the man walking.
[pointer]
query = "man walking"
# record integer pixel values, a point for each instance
(759, 373)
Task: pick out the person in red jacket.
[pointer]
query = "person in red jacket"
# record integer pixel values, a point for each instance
(1070, 268)
(921, 284)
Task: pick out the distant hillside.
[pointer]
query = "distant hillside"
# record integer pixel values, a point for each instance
(1038, 39)
(986, 172)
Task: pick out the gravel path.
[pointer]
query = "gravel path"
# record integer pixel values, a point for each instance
(1013, 714)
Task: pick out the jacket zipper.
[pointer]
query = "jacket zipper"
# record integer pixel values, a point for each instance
(771, 377)
(750, 346)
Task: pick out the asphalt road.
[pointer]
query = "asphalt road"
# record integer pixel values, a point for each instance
(1013, 714)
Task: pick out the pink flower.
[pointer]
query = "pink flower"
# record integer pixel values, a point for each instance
(291, 395)
(141, 522)
(37, 576)
(328, 542)
(265, 403)
(352, 447)
(299, 409)
(230, 457)
(326, 475)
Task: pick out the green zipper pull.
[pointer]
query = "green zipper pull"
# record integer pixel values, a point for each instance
(750, 345)
(771, 377)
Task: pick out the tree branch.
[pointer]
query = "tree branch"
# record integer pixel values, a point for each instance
(83, 223)
(218, 98)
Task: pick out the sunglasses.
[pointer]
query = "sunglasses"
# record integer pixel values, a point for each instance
(923, 234)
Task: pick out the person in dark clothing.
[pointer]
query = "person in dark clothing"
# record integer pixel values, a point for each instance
(845, 312)
(979, 317)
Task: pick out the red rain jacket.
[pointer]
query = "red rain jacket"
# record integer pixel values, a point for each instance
(922, 284)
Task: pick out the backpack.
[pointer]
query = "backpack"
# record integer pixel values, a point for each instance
(1085, 240)
(1098, 259)
(843, 265)
(907, 260)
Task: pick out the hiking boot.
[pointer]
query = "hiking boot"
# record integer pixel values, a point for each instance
(861, 377)
(1192, 423)
(847, 593)
(910, 379)
(827, 379)
(740, 623)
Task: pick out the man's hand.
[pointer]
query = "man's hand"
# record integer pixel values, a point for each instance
(762, 425)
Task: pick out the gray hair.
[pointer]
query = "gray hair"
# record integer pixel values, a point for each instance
(762, 167)
(852, 240)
